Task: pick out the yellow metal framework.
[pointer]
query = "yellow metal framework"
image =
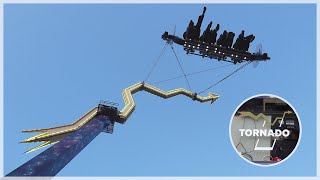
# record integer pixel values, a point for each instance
(263, 116)
(130, 104)
(55, 134)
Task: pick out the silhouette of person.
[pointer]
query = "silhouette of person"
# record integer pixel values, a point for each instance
(229, 39)
(239, 42)
(214, 34)
(193, 31)
(247, 41)
(197, 27)
(222, 39)
(189, 32)
(206, 34)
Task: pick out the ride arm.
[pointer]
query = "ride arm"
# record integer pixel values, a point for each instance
(141, 86)
(53, 135)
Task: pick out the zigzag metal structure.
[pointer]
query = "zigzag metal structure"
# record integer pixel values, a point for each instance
(55, 134)
(263, 116)
(130, 104)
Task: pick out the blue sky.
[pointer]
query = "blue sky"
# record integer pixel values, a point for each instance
(61, 60)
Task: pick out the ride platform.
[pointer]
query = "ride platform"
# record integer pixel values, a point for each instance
(214, 51)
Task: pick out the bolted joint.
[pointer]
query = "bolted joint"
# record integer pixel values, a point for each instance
(194, 96)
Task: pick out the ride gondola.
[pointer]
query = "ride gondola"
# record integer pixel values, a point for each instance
(214, 50)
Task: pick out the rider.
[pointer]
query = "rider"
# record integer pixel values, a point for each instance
(239, 42)
(214, 34)
(206, 34)
(193, 31)
(229, 39)
(247, 41)
(190, 31)
(222, 39)
(197, 27)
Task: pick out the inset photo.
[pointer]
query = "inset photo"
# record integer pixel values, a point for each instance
(265, 130)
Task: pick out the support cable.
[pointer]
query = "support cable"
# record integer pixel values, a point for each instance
(241, 67)
(156, 61)
(184, 74)
(190, 74)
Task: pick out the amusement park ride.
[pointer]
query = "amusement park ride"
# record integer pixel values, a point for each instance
(214, 51)
(102, 118)
(208, 46)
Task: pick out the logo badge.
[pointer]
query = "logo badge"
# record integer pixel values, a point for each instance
(265, 130)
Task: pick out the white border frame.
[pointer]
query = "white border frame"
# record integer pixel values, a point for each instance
(163, 1)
